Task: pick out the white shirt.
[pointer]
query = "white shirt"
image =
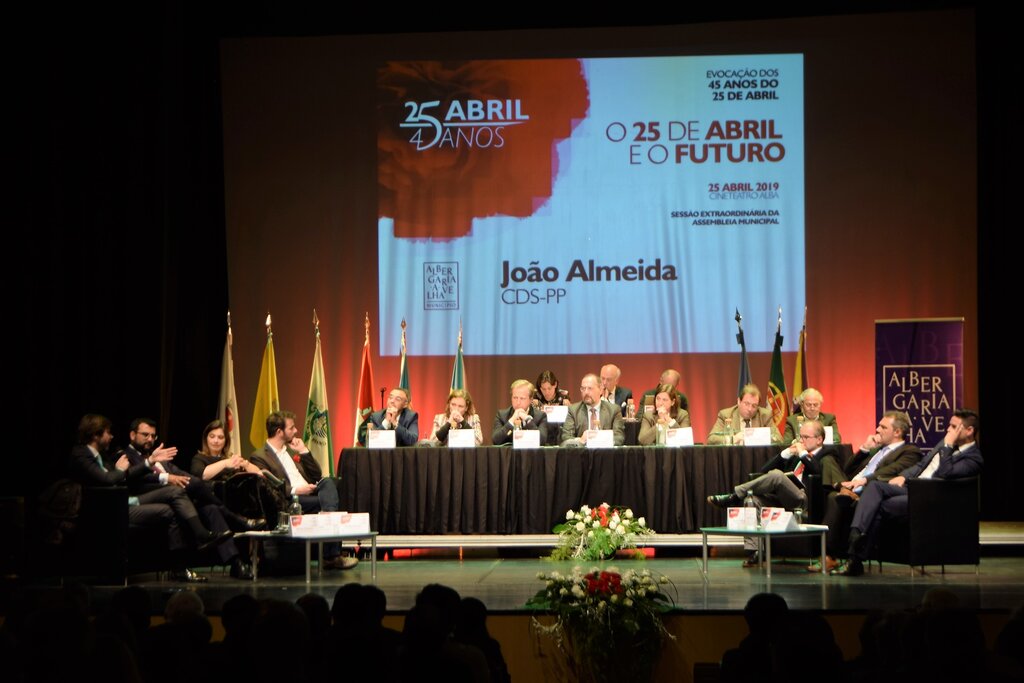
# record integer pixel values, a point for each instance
(294, 475)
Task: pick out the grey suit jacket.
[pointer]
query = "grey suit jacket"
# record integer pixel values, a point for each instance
(577, 421)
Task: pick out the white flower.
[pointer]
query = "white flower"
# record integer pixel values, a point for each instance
(579, 526)
(662, 579)
(621, 531)
(596, 524)
(590, 534)
(570, 514)
(641, 521)
(541, 575)
(563, 591)
(612, 524)
(614, 598)
(578, 592)
(627, 602)
(628, 514)
(585, 510)
(605, 505)
(616, 519)
(601, 605)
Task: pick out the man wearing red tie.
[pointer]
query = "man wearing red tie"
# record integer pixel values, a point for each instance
(781, 481)
(780, 484)
(592, 413)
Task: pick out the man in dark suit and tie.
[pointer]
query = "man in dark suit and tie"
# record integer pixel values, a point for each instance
(160, 508)
(611, 391)
(591, 413)
(286, 457)
(159, 472)
(883, 455)
(522, 414)
(397, 416)
(957, 456)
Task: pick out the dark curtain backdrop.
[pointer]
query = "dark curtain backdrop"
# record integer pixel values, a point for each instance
(124, 157)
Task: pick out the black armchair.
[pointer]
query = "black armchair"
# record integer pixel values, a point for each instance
(941, 526)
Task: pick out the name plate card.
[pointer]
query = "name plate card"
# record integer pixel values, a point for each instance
(600, 438)
(741, 519)
(556, 414)
(757, 436)
(525, 438)
(680, 436)
(380, 438)
(461, 438)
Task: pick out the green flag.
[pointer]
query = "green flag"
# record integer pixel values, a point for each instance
(459, 369)
(317, 431)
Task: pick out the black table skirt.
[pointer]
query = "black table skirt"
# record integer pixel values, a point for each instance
(496, 490)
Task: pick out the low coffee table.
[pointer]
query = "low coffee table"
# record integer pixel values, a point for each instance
(764, 541)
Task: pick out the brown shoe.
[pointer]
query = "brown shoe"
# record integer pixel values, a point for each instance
(341, 562)
(830, 564)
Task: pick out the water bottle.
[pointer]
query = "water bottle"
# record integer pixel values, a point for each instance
(749, 502)
(630, 410)
(660, 436)
(296, 508)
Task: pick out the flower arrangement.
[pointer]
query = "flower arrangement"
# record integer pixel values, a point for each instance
(594, 534)
(608, 625)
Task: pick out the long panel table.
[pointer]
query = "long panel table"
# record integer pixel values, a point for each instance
(497, 490)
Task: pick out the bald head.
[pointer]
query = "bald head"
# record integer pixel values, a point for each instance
(670, 377)
(610, 378)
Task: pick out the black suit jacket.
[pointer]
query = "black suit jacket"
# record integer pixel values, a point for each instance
(893, 463)
(952, 466)
(502, 432)
(85, 469)
(812, 464)
(307, 466)
(622, 396)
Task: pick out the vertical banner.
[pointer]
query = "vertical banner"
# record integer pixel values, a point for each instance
(919, 369)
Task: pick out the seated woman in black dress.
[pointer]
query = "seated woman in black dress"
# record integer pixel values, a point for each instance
(246, 490)
(548, 394)
(667, 414)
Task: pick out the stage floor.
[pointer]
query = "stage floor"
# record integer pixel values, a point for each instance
(505, 584)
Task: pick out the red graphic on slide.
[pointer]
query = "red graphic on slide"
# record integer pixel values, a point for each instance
(464, 140)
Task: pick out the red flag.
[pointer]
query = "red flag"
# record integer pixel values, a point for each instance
(364, 399)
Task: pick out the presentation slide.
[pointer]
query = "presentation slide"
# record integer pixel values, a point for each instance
(591, 206)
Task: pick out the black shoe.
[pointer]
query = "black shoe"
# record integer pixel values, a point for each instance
(213, 539)
(725, 500)
(187, 576)
(751, 560)
(255, 524)
(853, 567)
(857, 542)
(241, 570)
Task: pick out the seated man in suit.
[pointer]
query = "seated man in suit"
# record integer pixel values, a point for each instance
(286, 458)
(672, 378)
(746, 413)
(810, 409)
(610, 389)
(158, 510)
(592, 413)
(397, 416)
(781, 480)
(520, 415)
(957, 456)
(883, 455)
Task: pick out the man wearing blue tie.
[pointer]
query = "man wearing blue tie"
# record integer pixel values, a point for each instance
(883, 455)
(955, 457)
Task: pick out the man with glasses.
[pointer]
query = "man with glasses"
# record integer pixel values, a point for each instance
(810, 409)
(397, 416)
(781, 481)
(592, 413)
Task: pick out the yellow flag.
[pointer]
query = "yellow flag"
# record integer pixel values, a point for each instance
(267, 399)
